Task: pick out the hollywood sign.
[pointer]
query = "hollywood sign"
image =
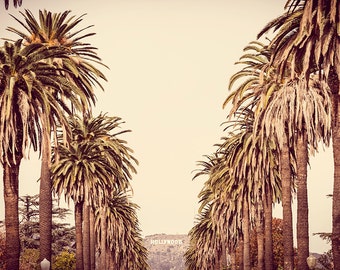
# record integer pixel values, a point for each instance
(166, 242)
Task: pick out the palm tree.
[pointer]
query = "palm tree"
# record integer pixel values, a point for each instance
(245, 97)
(94, 163)
(243, 184)
(307, 34)
(206, 243)
(229, 189)
(215, 231)
(99, 129)
(24, 74)
(123, 244)
(74, 174)
(309, 121)
(306, 113)
(57, 29)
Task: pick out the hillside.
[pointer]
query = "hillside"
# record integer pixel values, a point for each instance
(166, 251)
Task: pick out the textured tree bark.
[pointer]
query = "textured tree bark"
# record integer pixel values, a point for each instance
(11, 197)
(302, 227)
(86, 237)
(336, 184)
(45, 198)
(78, 215)
(287, 216)
(260, 237)
(268, 230)
(246, 235)
(103, 239)
(92, 241)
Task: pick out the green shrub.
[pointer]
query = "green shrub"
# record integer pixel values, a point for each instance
(65, 261)
(29, 259)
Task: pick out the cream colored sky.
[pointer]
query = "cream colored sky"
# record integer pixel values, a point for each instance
(170, 62)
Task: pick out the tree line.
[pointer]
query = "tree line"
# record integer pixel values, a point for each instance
(284, 105)
(63, 236)
(48, 78)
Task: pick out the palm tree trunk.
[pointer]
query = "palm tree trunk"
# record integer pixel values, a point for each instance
(246, 235)
(287, 216)
(102, 239)
(11, 197)
(86, 237)
(260, 237)
(45, 197)
(336, 183)
(92, 241)
(78, 215)
(268, 230)
(302, 204)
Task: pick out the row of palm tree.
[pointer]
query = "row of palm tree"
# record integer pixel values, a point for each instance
(24, 75)
(94, 170)
(59, 30)
(283, 108)
(237, 199)
(306, 47)
(47, 93)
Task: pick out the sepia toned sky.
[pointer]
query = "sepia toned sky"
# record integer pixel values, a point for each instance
(169, 66)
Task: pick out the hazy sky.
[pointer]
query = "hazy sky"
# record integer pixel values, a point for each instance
(170, 62)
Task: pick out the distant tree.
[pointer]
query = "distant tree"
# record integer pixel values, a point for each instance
(63, 236)
(326, 259)
(29, 221)
(28, 208)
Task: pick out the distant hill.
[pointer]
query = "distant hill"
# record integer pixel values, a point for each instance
(166, 251)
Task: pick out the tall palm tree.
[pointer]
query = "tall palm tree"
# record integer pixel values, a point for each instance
(104, 129)
(215, 231)
(74, 174)
(306, 113)
(308, 34)
(240, 158)
(58, 29)
(227, 188)
(245, 97)
(94, 163)
(24, 74)
(309, 121)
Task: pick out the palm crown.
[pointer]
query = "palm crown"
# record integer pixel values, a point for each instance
(24, 75)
